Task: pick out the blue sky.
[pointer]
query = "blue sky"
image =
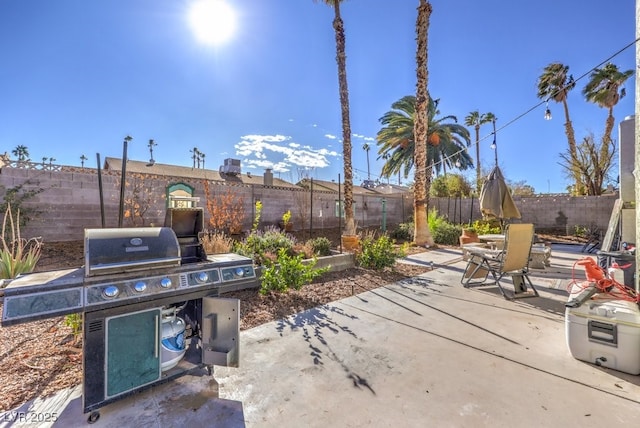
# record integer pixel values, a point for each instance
(77, 76)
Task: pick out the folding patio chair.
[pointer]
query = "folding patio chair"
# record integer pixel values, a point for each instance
(512, 260)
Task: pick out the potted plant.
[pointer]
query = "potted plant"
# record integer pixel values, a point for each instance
(350, 241)
(469, 235)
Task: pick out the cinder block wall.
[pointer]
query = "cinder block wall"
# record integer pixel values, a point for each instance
(560, 213)
(70, 202)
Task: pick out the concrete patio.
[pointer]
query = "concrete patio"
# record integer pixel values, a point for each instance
(421, 352)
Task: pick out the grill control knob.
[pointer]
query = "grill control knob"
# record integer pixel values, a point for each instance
(165, 282)
(202, 277)
(111, 291)
(140, 286)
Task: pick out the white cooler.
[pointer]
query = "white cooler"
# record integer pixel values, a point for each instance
(605, 333)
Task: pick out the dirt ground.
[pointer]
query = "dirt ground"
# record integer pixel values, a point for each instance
(40, 358)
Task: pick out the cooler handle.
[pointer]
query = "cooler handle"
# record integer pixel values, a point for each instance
(603, 332)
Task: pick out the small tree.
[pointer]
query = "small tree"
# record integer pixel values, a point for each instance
(302, 201)
(450, 185)
(140, 198)
(593, 161)
(521, 188)
(15, 197)
(226, 210)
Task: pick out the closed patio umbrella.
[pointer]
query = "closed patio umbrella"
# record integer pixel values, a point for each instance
(495, 198)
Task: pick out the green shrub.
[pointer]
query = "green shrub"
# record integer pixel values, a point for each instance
(378, 253)
(288, 272)
(581, 231)
(75, 322)
(403, 232)
(485, 227)
(446, 234)
(261, 244)
(435, 220)
(321, 246)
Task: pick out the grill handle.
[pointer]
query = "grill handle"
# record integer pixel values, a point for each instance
(157, 342)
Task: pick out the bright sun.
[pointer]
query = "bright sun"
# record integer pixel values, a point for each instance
(212, 21)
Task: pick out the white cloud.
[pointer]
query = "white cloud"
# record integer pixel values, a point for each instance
(281, 154)
(330, 136)
(363, 137)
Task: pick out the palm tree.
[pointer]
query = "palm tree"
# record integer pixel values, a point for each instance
(555, 84)
(605, 88)
(366, 148)
(22, 152)
(476, 119)
(341, 58)
(195, 156)
(446, 141)
(422, 173)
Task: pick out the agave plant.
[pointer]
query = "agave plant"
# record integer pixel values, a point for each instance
(17, 255)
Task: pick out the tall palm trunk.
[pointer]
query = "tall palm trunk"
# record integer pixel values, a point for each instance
(422, 236)
(608, 129)
(478, 168)
(571, 138)
(341, 58)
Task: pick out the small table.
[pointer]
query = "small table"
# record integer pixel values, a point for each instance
(496, 240)
(540, 254)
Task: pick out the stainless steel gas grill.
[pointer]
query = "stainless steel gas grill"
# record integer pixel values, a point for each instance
(150, 303)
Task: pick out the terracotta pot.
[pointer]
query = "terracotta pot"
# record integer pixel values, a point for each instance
(350, 242)
(468, 237)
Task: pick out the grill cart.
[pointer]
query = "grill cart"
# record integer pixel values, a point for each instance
(151, 305)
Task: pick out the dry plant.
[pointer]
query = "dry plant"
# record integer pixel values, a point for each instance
(18, 255)
(226, 210)
(216, 242)
(141, 197)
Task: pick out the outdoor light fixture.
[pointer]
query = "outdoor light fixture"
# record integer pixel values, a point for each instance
(547, 112)
(151, 144)
(458, 164)
(494, 146)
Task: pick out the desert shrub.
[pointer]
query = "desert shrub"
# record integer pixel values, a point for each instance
(216, 242)
(288, 272)
(17, 255)
(304, 249)
(321, 246)
(378, 253)
(447, 234)
(403, 232)
(260, 244)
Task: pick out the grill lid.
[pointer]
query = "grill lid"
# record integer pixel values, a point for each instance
(119, 250)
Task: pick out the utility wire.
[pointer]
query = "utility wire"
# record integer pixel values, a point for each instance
(520, 116)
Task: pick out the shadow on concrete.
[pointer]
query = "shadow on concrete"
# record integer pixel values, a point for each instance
(317, 325)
